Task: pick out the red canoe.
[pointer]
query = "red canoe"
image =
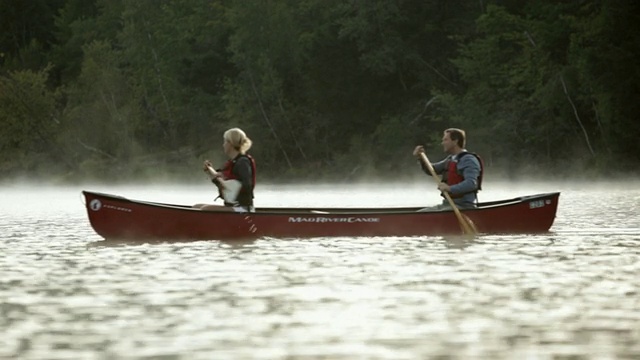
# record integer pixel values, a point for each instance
(118, 218)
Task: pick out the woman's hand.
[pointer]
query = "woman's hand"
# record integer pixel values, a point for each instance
(206, 165)
(208, 168)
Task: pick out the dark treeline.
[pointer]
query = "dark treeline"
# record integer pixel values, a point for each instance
(123, 89)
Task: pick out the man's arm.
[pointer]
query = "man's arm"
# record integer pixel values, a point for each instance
(439, 167)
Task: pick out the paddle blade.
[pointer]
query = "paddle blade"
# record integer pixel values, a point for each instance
(469, 228)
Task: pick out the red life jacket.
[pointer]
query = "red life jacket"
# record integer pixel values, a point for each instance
(452, 176)
(227, 169)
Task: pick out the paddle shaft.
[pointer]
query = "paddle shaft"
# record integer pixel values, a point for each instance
(466, 227)
(211, 171)
(213, 174)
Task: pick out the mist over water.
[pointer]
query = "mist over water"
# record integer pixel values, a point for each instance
(571, 293)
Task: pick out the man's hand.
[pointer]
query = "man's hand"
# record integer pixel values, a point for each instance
(418, 150)
(444, 187)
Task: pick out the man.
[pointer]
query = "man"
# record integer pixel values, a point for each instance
(461, 170)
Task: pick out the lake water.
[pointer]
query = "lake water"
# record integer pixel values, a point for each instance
(571, 294)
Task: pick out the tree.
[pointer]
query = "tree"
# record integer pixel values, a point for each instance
(30, 121)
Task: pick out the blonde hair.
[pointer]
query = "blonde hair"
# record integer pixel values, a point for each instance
(238, 139)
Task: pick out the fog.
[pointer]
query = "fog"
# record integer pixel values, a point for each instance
(410, 192)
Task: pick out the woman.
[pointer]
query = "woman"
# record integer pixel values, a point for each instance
(240, 166)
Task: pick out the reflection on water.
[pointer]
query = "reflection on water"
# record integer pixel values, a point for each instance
(127, 243)
(459, 242)
(570, 294)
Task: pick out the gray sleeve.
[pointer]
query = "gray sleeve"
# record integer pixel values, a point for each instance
(469, 167)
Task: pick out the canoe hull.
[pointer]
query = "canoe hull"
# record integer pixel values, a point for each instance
(115, 217)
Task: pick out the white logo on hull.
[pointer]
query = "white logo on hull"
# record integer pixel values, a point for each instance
(539, 203)
(95, 205)
(332, 220)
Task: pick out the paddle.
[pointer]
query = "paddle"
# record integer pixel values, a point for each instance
(465, 223)
(229, 189)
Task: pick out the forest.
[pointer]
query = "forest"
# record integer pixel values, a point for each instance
(124, 90)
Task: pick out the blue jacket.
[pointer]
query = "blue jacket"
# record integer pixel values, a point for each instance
(469, 168)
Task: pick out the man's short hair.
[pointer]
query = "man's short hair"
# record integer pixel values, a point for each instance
(458, 136)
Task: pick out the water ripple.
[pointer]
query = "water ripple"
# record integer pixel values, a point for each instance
(572, 293)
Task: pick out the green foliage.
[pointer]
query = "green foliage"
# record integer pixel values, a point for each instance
(29, 120)
(123, 88)
(25, 33)
(520, 81)
(100, 107)
(605, 57)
